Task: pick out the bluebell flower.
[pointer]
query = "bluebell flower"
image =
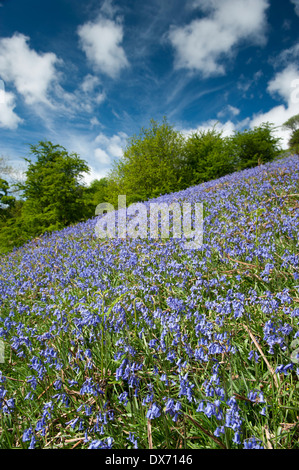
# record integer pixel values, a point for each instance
(123, 398)
(57, 384)
(72, 383)
(32, 442)
(101, 444)
(253, 355)
(32, 381)
(133, 440)
(153, 412)
(218, 431)
(72, 422)
(263, 411)
(201, 406)
(2, 377)
(41, 426)
(252, 443)
(9, 406)
(284, 369)
(27, 434)
(237, 439)
(210, 409)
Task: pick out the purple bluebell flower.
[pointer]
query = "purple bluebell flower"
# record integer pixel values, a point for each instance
(253, 355)
(133, 440)
(284, 369)
(101, 444)
(252, 443)
(27, 434)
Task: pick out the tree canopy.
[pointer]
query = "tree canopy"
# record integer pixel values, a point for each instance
(52, 191)
(151, 164)
(293, 125)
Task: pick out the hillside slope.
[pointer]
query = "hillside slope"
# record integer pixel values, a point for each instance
(144, 343)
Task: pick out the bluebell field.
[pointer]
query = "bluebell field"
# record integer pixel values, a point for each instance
(142, 343)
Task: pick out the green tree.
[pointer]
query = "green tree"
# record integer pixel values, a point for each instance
(206, 157)
(6, 201)
(53, 193)
(294, 142)
(292, 123)
(94, 194)
(10, 211)
(151, 164)
(252, 147)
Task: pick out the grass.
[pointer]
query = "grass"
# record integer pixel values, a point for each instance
(141, 343)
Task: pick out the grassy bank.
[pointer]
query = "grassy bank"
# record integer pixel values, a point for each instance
(141, 343)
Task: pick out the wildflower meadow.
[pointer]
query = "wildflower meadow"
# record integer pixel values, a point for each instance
(142, 343)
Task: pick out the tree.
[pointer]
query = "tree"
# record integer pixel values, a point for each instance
(294, 142)
(9, 211)
(293, 125)
(53, 193)
(6, 201)
(206, 157)
(150, 166)
(254, 146)
(95, 194)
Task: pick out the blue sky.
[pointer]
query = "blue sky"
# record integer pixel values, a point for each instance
(88, 75)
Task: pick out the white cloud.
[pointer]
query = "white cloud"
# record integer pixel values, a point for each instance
(90, 82)
(95, 175)
(113, 145)
(101, 41)
(281, 84)
(30, 72)
(227, 128)
(102, 156)
(202, 44)
(228, 110)
(98, 152)
(8, 118)
(36, 78)
(94, 121)
(296, 3)
(89, 87)
(288, 55)
(284, 86)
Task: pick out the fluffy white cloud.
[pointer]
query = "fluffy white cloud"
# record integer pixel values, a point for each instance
(30, 72)
(102, 156)
(36, 78)
(226, 128)
(8, 118)
(113, 145)
(98, 152)
(101, 41)
(94, 174)
(202, 44)
(284, 82)
(296, 3)
(285, 85)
